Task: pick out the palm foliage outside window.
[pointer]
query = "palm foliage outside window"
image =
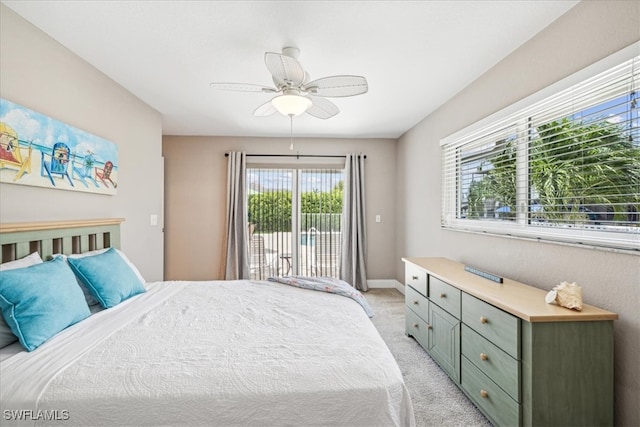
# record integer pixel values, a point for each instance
(566, 168)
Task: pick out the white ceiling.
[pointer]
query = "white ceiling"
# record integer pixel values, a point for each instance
(415, 54)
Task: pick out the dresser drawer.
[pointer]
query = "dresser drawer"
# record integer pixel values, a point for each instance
(499, 327)
(503, 369)
(445, 295)
(417, 328)
(491, 399)
(416, 278)
(416, 302)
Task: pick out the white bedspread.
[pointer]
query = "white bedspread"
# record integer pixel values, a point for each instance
(223, 353)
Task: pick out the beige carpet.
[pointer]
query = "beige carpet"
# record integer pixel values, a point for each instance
(436, 399)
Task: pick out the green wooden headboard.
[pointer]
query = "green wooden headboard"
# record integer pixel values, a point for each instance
(65, 237)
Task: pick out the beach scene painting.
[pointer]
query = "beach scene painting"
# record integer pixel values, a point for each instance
(40, 151)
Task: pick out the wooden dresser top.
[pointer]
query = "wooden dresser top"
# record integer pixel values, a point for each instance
(524, 301)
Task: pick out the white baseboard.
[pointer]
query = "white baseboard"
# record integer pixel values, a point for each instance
(386, 283)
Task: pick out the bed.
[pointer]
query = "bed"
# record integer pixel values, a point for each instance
(214, 353)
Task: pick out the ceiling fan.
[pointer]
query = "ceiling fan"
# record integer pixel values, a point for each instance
(297, 94)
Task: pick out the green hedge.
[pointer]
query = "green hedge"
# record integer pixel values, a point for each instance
(271, 211)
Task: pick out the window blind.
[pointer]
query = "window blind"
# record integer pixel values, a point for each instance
(269, 208)
(294, 218)
(565, 168)
(321, 199)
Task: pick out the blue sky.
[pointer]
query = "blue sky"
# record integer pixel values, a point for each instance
(282, 179)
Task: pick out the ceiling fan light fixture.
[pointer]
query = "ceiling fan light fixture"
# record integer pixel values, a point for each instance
(297, 94)
(291, 105)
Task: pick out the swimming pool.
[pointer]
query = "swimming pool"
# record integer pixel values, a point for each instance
(307, 239)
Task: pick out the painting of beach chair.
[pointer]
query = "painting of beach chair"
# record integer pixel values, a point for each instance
(82, 171)
(104, 174)
(62, 157)
(11, 153)
(58, 163)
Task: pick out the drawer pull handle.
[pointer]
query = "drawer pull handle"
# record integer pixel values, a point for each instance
(415, 325)
(484, 357)
(429, 327)
(484, 394)
(414, 277)
(443, 295)
(483, 320)
(415, 302)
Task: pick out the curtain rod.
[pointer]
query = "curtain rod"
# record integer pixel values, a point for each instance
(294, 155)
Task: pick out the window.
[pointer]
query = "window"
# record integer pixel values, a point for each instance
(564, 168)
(294, 218)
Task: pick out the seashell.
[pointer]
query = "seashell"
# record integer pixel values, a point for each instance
(567, 295)
(551, 296)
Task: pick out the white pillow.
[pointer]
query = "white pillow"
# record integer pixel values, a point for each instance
(6, 336)
(90, 299)
(31, 259)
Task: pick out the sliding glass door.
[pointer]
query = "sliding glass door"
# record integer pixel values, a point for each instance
(294, 218)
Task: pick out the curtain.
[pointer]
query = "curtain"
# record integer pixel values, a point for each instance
(236, 264)
(354, 237)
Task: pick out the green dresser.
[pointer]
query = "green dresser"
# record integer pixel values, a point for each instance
(521, 361)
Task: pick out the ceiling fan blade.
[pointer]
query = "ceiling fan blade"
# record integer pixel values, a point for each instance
(337, 86)
(265, 110)
(285, 69)
(242, 87)
(322, 108)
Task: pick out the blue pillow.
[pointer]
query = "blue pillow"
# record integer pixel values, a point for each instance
(39, 301)
(108, 277)
(6, 336)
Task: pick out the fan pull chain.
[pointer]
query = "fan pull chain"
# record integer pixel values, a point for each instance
(291, 132)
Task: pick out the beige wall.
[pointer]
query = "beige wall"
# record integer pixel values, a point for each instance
(587, 33)
(40, 74)
(195, 172)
